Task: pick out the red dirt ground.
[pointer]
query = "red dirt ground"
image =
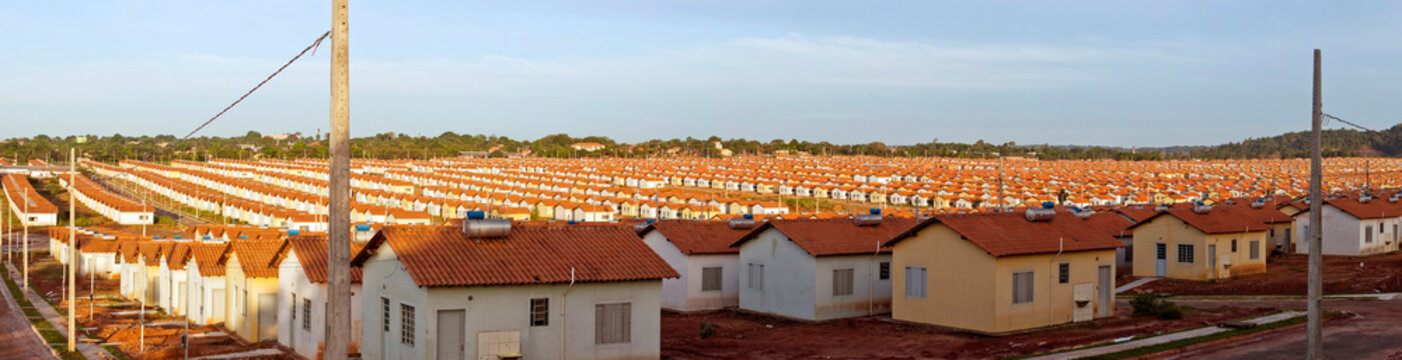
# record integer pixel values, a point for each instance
(1287, 275)
(161, 343)
(746, 336)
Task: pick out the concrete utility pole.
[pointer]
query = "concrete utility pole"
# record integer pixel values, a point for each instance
(72, 251)
(1315, 331)
(338, 321)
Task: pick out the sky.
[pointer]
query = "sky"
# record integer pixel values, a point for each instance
(1119, 73)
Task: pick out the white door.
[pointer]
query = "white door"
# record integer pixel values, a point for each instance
(1160, 259)
(267, 316)
(216, 308)
(1212, 261)
(1105, 303)
(450, 334)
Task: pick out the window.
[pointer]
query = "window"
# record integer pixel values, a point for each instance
(1233, 245)
(406, 324)
(1368, 234)
(294, 306)
(842, 282)
(1255, 249)
(613, 323)
(1064, 273)
(915, 282)
(756, 273)
(1022, 287)
(540, 312)
(710, 279)
(244, 303)
(1161, 251)
(306, 314)
(885, 270)
(1185, 253)
(384, 314)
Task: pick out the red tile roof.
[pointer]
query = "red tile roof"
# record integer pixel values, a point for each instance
(437, 256)
(210, 257)
(1011, 234)
(1220, 220)
(699, 237)
(837, 236)
(1374, 209)
(1110, 223)
(179, 255)
(256, 256)
(311, 254)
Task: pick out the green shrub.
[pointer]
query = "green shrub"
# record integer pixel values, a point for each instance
(1150, 304)
(708, 329)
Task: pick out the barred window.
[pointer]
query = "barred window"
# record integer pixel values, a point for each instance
(1064, 272)
(406, 324)
(915, 282)
(885, 270)
(384, 314)
(306, 314)
(1185, 253)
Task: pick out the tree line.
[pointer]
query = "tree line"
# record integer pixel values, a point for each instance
(254, 145)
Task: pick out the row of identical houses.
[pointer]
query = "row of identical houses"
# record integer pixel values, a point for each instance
(485, 289)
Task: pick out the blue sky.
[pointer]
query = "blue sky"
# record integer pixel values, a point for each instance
(1124, 73)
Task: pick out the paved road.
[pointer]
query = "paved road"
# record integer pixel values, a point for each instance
(37, 242)
(17, 341)
(1374, 333)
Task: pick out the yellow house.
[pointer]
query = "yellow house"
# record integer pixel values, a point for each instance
(1000, 272)
(1200, 243)
(251, 293)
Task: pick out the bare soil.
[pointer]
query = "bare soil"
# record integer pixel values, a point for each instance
(1287, 275)
(748, 336)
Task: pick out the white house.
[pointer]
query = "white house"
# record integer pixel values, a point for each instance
(818, 269)
(172, 278)
(1354, 226)
(592, 292)
(700, 252)
(302, 285)
(205, 270)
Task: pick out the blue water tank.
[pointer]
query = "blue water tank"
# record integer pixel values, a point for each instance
(476, 215)
(875, 212)
(293, 232)
(1048, 205)
(157, 237)
(750, 216)
(207, 237)
(177, 237)
(362, 227)
(571, 222)
(649, 221)
(245, 237)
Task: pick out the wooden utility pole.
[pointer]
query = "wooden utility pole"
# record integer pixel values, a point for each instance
(1315, 331)
(72, 251)
(338, 323)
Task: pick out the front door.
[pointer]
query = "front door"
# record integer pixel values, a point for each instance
(1105, 304)
(1212, 261)
(1160, 259)
(450, 334)
(267, 316)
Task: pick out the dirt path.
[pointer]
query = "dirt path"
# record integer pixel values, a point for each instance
(17, 341)
(1372, 333)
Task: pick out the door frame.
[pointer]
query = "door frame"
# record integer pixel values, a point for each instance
(462, 331)
(1160, 259)
(1212, 261)
(1105, 300)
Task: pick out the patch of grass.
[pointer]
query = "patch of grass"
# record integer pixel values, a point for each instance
(47, 331)
(116, 353)
(1146, 350)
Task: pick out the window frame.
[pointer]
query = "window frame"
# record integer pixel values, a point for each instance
(912, 272)
(1255, 252)
(1189, 255)
(306, 314)
(755, 276)
(540, 312)
(1027, 288)
(623, 319)
(406, 324)
(843, 282)
(1063, 271)
(712, 278)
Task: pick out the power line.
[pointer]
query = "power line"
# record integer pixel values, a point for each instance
(260, 84)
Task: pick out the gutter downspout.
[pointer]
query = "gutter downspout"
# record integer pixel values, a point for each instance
(565, 320)
(1051, 281)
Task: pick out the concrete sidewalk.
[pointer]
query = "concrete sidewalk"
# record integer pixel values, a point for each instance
(1163, 338)
(1135, 284)
(91, 351)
